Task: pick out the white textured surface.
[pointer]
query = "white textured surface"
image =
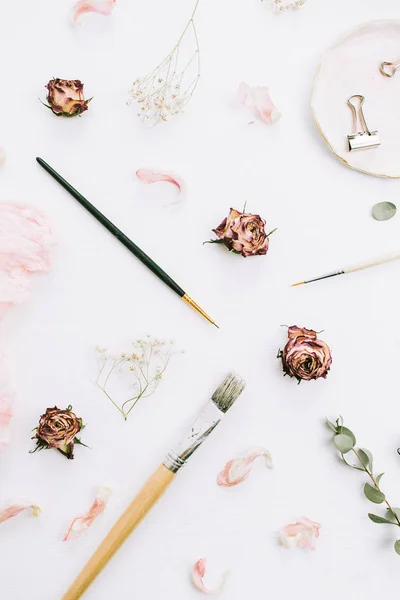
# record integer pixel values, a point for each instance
(98, 294)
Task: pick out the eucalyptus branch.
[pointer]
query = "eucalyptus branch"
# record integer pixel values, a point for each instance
(345, 441)
(143, 368)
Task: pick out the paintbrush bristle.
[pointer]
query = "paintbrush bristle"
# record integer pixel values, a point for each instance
(300, 283)
(228, 392)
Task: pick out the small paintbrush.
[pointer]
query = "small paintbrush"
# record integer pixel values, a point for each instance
(367, 265)
(208, 418)
(146, 260)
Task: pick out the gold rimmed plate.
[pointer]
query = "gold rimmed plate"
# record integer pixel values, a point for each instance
(352, 66)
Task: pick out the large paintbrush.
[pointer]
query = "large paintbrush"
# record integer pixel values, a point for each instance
(211, 414)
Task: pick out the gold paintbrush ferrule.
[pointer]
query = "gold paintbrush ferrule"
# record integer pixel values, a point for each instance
(196, 307)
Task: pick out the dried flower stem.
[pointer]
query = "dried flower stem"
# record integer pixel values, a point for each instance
(159, 92)
(147, 364)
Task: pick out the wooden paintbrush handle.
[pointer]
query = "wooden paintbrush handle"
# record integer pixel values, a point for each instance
(147, 497)
(373, 263)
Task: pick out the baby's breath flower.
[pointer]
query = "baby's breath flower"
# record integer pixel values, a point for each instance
(280, 6)
(146, 365)
(167, 89)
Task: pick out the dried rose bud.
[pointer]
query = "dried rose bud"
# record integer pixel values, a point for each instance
(65, 97)
(58, 429)
(304, 356)
(243, 233)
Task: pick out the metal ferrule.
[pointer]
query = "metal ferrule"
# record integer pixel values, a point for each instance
(205, 423)
(340, 272)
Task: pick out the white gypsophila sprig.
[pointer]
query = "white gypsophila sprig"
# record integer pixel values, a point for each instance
(167, 89)
(280, 6)
(141, 370)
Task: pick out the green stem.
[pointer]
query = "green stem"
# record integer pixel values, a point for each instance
(109, 397)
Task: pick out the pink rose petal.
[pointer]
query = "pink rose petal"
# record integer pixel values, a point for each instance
(238, 469)
(101, 7)
(258, 100)
(154, 176)
(25, 242)
(198, 573)
(302, 534)
(15, 509)
(80, 524)
(6, 399)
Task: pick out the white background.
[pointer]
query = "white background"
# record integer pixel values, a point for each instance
(97, 293)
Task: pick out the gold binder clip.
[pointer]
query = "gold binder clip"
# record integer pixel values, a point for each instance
(363, 138)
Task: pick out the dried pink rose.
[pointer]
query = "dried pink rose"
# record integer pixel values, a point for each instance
(101, 7)
(243, 233)
(304, 356)
(238, 469)
(302, 534)
(58, 429)
(259, 100)
(80, 524)
(15, 509)
(154, 176)
(66, 97)
(198, 573)
(25, 243)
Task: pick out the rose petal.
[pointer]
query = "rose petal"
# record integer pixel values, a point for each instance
(25, 242)
(258, 99)
(198, 573)
(154, 176)
(101, 7)
(5, 420)
(6, 402)
(238, 469)
(15, 509)
(80, 524)
(302, 534)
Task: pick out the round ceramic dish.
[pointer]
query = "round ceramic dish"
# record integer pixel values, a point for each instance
(352, 66)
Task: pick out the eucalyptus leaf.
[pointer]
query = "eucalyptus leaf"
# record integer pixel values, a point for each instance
(331, 425)
(393, 513)
(384, 211)
(397, 546)
(366, 457)
(377, 519)
(373, 494)
(379, 477)
(346, 431)
(343, 443)
(353, 466)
